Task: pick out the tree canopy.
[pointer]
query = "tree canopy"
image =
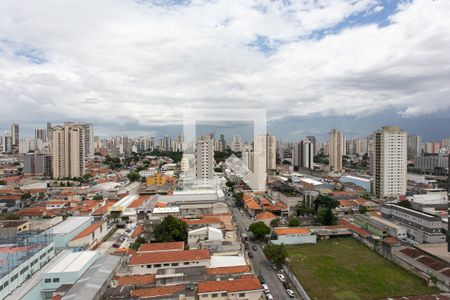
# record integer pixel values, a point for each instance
(325, 202)
(134, 176)
(294, 222)
(259, 230)
(171, 229)
(325, 217)
(275, 222)
(276, 253)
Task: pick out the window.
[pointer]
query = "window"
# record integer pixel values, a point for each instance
(224, 294)
(55, 279)
(166, 265)
(214, 295)
(186, 263)
(149, 266)
(157, 265)
(241, 295)
(47, 280)
(174, 264)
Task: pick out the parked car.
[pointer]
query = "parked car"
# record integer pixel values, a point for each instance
(115, 245)
(269, 297)
(250, 255)
(290, 293)
(274, 266)
(281, 277)
(254, 248)
(266, 288)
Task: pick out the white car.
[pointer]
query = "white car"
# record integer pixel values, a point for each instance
(266, 288)
(281, 277)
(269, 297)
(290, 293)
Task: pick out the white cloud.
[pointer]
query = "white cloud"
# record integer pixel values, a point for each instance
(121, 60)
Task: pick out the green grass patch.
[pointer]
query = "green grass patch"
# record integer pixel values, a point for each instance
(345, 269)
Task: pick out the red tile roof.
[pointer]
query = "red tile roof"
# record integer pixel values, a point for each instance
(228, 270)
(157, 291)
(230, 286)
(205, 220)
(135, 280)
(292, 230)
(138, 202)
(354, 228)
(169, 246)
(89, 230)
(266, 215)
(141, 258)
(137, 231)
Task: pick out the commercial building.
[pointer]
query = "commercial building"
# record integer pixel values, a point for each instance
(90, 237)
(21, 258)
(65, 231)
(335, 149)
(434, 198)
(67, 271)
(389, 162)
(432, 163)
(421, 227)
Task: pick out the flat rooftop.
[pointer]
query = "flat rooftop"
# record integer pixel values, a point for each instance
(218, 261)
(73, 262)
(69, 225)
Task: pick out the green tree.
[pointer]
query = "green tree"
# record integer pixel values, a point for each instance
(25, 196)
(9, 216)
(323, 201)
(362, 209)
(325, 217)
(97, 197)
(275, 222)
(134, 176)
(239, 199)
(276, 253)
(302, 210)
(294, 222)
(137, 243)
(171, 229)
(259, 230)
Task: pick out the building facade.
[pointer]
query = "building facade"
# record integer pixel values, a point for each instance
(335, 147)
(389, 162)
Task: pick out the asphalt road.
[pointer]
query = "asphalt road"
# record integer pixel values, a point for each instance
(259, 262)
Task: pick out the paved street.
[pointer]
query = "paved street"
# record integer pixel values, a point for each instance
(259, 262)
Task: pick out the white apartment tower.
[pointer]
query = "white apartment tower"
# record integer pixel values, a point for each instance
(69, 150)
(236, 143)
(204, 160)
(303, 155)
(389, 162)
(266, 145)
(335, 147)
(414, 146)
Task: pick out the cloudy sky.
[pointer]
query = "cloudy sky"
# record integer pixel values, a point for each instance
(132, 66)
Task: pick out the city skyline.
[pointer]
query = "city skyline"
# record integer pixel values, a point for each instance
(306, 64)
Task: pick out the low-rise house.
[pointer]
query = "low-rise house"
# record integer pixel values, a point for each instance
(293, 236)
(152, 262)
(160, 247)
(249, 288)
(266, 217)
(205, 233)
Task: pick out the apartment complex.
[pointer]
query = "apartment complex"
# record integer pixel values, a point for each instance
(36, 164)
(335, 149)
(389, 162)
(414, 146)
(69, 149)
(303, 155)
(204, 160)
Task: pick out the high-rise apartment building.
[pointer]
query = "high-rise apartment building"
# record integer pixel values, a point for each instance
(314, 142)
(335, 148)
(222, 145)
(236, 143)
(204, 160)
(89, 138)
(37, 164)
(389, 162)
(268, 144)
(69, 150)
(40, 134)
(414, 146)
(15, 138)
(303, 155)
